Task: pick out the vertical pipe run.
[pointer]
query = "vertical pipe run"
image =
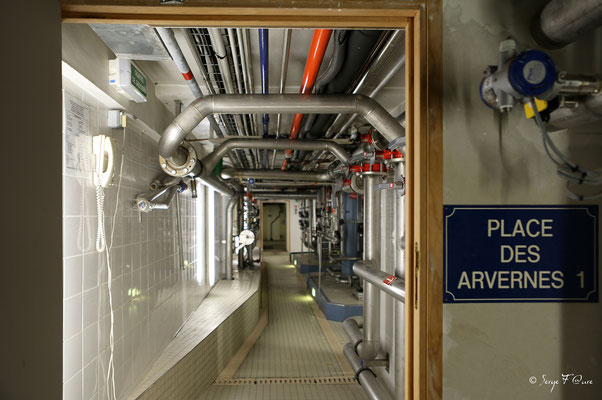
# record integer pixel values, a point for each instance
(319, 43)
(229, 232)
(399, 352)
(265, 89)
(368, 349)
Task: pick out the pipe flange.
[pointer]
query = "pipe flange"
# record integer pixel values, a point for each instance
(180, 170)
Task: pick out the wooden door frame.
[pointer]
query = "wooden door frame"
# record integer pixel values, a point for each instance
(422, 20)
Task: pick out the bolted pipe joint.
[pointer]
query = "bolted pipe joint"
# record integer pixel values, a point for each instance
(182, 162)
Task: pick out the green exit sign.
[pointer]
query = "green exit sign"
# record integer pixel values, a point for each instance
(138, 79)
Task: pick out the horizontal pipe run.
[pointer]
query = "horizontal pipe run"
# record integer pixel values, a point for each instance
(309, 176)
(383, 281)
(285, 196)
(308, 184)
(211, 160)
(353, 331)
(192, 115)
(365, 376)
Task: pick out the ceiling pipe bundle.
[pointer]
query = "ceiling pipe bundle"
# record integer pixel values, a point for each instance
(219, 48)
(361, 45)
(265, 88)
(334, 66)
(299, 176)
(317, 49)
(168, 37)
(286, 51)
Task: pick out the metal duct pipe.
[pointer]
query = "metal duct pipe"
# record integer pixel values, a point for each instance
(587, 111)
(353, 331)
(385, 80)
(368, 349)
(307, 184)
(286, 51)
(169, 39)
(211, 160)
(306, 176)
(399, 353)
(286, 103)
(229, 232)
(217, 42)
(211, 180)
(384, 281)
(319, 43)
(390, 49)
(365, 376)
(563, 21)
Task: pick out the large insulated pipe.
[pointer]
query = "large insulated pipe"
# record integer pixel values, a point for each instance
(192, 115)
(334, 66)
(393, 47)
(563, 21)
(319, 43)
(365, 376)
(368, 349)
(399, 352)
(384, 281)
(230, 209)
(587, 111)
(302, 176)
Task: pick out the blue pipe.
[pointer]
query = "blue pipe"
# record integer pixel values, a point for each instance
(350, 233)
(265, 89)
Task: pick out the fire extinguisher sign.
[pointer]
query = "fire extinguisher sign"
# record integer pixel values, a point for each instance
(520, 254)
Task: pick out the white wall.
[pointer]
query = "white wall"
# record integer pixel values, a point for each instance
(491, 350)
(294, 206)
(152, 292)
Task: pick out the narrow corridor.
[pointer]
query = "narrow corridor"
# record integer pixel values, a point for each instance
(292, 347)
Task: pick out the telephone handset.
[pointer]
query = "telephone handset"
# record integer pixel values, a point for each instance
(104, 155)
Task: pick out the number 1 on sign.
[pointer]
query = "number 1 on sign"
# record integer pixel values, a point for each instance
(580, 275)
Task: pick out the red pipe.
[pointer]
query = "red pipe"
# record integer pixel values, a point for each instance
(319, 43)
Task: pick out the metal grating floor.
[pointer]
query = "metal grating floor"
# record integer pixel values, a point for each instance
(292, 358)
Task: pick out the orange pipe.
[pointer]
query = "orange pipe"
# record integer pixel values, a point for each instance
(319, 43)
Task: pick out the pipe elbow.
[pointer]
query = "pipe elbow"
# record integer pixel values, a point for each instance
(183, 124)
(368, 349)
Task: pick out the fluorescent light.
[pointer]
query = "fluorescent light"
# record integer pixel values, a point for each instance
(313, 292)
(211, 234)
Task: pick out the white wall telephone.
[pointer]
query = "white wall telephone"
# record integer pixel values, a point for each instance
(104, 155)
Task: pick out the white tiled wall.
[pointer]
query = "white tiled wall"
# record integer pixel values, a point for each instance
(152, 292)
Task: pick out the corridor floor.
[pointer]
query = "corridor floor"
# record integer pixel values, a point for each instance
(291, 346)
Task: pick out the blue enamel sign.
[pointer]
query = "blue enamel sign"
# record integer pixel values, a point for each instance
(520, 254)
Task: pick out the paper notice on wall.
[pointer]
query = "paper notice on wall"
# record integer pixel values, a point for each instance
(76, 131)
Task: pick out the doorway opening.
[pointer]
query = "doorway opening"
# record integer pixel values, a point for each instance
(275, 230)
